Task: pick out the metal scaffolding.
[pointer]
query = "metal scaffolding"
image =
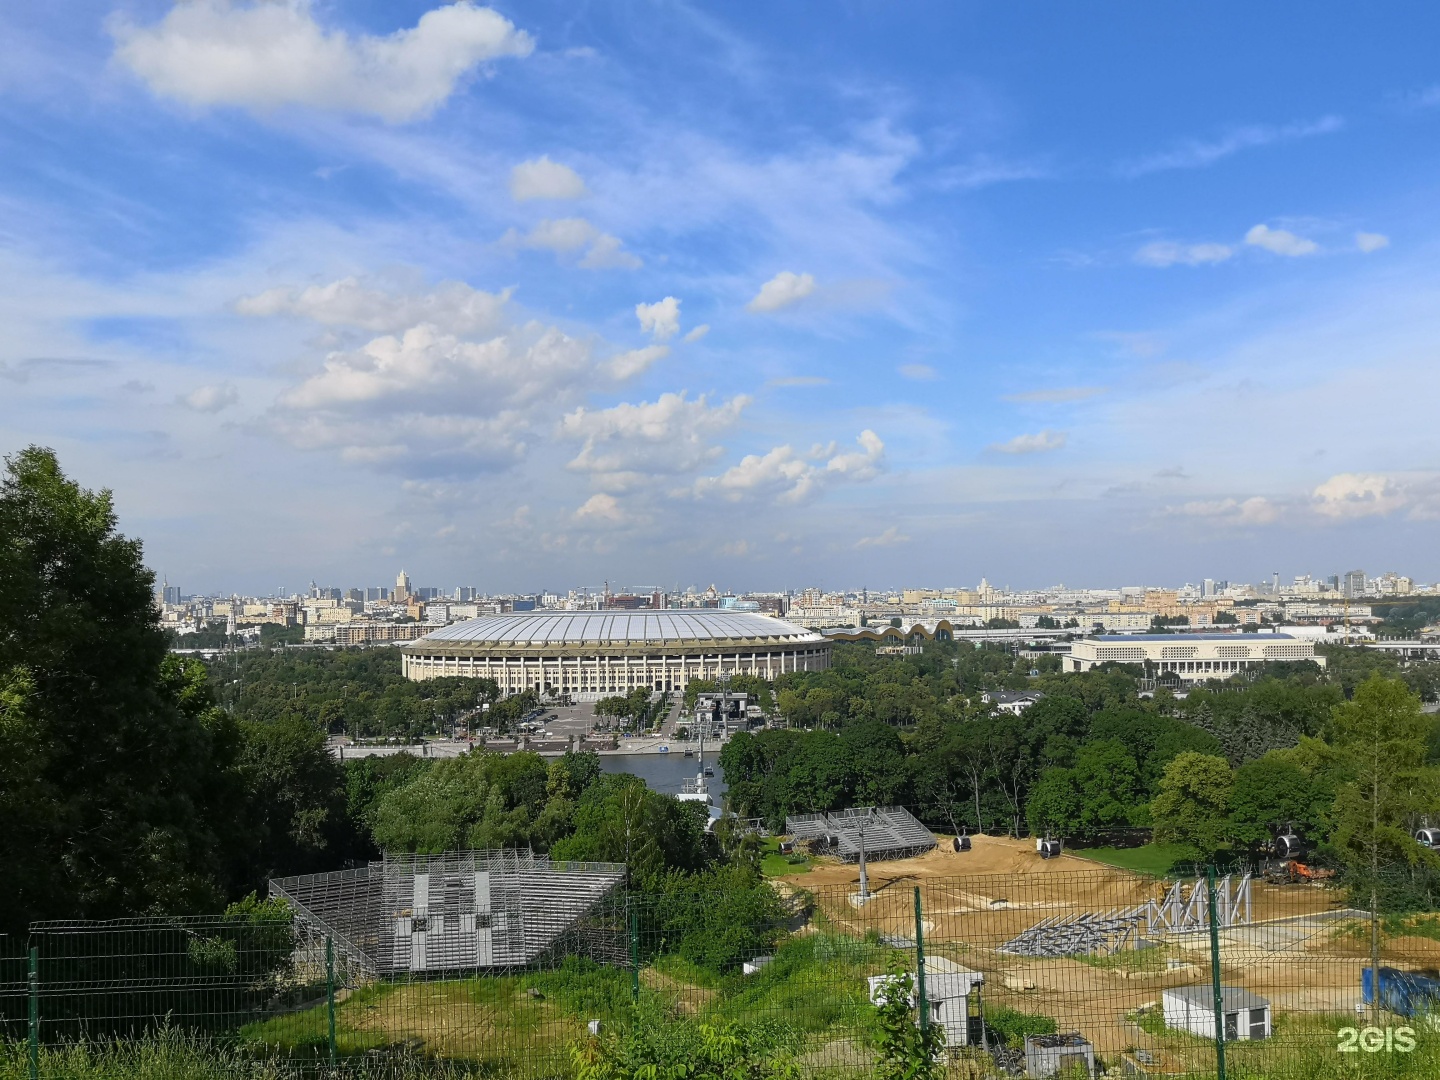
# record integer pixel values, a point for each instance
(884, 832)
(460, 910)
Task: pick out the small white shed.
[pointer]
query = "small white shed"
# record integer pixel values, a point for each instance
(947, 991)
(1192, 1008)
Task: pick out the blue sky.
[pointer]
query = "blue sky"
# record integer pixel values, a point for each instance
(760, 294)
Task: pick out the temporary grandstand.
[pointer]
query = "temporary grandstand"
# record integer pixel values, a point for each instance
(884, 832)
(456, 911)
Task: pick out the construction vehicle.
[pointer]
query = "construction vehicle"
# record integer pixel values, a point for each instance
(1283, 866)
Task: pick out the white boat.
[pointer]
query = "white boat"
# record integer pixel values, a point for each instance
(698, 790)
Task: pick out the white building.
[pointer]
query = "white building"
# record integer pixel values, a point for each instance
(1192, 1008)
(947, 993)
(1193, 657)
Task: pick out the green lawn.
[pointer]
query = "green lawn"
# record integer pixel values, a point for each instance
(773, 864)
(1156, 859)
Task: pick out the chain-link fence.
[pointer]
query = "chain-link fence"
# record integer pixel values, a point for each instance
(1038, 973)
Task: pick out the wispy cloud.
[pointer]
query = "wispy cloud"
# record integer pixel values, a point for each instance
(1040, 442)
(1164, 253)
(1369, 241)
(1059, 395)
(918, 372)
(889, 538)
(1280, 241)
(1198, 153)
(783, 290)
(799, 380)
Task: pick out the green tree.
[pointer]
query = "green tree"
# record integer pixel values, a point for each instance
(1384, 738)
(1054, 804)
(121, 780)
(1274, 792)
(1193, 803)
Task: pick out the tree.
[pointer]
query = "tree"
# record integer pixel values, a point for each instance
(116, 779)
(1054, 804)
(1193, 803)
(619, 819)
(1384, 738)
(1274, 792)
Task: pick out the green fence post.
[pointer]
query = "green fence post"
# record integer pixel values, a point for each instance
(34, 974)
(330, 992)
(634, 955)
(1215, 973)
(920, 966)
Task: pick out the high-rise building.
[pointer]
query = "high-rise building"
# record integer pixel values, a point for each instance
(401, 592)
(170, 594)
(1354, 583)
(1207, 587)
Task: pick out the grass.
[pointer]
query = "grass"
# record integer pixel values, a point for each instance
(1156, 860)
(1153, 960)
(774, 864)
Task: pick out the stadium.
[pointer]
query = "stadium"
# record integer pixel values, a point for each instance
(590, 654)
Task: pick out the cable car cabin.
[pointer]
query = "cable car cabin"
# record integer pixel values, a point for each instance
(1428, 838)
(961, 843)
(1288, 846)
(1049, 849)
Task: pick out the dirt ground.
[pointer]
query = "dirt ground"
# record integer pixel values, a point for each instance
(1294, 950)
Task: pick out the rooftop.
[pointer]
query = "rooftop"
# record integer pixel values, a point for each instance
(1191, 637)
(608, 627)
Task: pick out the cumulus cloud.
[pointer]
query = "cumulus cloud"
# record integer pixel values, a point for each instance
(1060, 395)
(637, 361)
(264, 55)
(569, 236)
(1357, 495)
(789, 476)
(1038, 443)
(1253, 511)
(781, 291)
(1163, 253)
(1370, 241)
(918, 372)
(1280, 241)
(211, 399)
(545, 179)
(889, 538)
(696, 334)
(627, 445)
(600, 508)
(661, 319)
(453, 306)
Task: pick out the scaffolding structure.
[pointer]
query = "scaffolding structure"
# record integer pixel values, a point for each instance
(1184, 910)
(880, 832)
(456, 911)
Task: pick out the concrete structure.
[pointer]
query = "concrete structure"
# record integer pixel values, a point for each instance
(588, 655)
(1192, 1009)
(948, 987)
(1191, 657)
(1049, 1055)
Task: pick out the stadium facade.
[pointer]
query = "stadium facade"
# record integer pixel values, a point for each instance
(593, 654)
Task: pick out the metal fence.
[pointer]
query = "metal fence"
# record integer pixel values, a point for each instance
(1034, 973)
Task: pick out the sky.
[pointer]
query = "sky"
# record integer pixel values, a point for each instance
(768, 295)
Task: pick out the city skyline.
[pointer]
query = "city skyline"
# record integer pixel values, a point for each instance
(662, 293)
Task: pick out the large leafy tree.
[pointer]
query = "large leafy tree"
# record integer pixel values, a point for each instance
(115, 765)
(1192, 805)
(1274, 792)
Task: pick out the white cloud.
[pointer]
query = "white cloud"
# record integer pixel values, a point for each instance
(264, 55)
(1059, 395)
(600, 508)
(1164, 253)
(1197, 153)
(661, 319)
(637, 361)
(628, 445)
(1357, 495)
(1369, 241)
(799, 380)
(698, 333)
(784, 289)
(211, 399)
(789, 476)
(545, 179)
(889, 538)
(1280, 241)
(453, 306)
(566, 236)
(1253, 511)
(918, 372)
(735, 549)
(1038, 443)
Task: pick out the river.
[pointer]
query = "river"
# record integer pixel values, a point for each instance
(665, 772)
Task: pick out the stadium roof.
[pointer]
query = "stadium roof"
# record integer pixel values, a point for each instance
(622, 627)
